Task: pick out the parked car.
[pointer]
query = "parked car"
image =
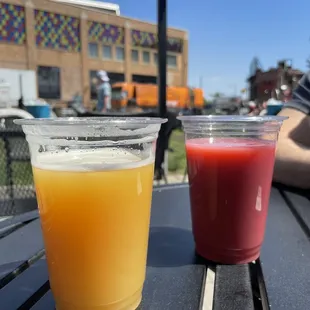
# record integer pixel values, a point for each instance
(227, 105)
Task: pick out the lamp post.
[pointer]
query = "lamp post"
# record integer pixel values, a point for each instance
(162, 83)
(162, 55)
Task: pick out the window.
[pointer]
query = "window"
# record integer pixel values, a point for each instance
(172, 61)
(107, 52)
(145, 79)
(116, 77)
(49, 82)
(155, 58)
(120, 53)
(146, 57)
(134, 56)
(93, 50)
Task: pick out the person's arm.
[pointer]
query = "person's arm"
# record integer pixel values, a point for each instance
(292, 165)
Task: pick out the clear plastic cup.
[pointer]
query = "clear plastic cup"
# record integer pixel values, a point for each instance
(94, 179)
(230, 162)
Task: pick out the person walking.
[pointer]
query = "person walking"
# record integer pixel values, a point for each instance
(104, 92)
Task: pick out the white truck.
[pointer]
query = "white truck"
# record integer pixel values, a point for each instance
(15, 84)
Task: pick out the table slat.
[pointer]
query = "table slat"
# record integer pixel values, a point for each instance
(301, 208)
(19, 246)
(45, 303)
(171, 207)
(173, 288)
(285, 258)
(175, 278)
(233, 290)
(18, 291)
(170, 290)
(19, 219)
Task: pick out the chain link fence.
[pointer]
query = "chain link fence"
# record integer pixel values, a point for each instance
(17, 193)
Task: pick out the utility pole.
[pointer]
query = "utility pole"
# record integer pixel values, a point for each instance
(162, 55)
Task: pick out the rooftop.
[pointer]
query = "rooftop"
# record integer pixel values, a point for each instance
(92, 4)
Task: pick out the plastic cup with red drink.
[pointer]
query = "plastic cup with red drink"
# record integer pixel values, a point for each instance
(230, 166)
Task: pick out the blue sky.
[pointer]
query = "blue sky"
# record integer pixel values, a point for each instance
(225, 35)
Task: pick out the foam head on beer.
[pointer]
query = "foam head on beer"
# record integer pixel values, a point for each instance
(92, 160)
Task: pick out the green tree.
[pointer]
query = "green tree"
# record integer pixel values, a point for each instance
(217, 95)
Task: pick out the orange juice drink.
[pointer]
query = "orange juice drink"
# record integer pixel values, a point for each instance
(95, 221)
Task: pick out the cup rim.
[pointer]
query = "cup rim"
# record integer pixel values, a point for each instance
(90, 121)
(231, 118)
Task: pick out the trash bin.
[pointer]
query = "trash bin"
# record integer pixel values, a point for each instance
(39, 111)
(274, 109)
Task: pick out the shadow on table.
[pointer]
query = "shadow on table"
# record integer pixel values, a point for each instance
(170, 247)
(295, 190)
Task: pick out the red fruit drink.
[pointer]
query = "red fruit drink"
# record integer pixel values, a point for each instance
(230, 181)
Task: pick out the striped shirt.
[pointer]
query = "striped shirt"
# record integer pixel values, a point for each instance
(301, 96)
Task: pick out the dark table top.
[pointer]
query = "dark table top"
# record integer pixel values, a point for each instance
(177, 279)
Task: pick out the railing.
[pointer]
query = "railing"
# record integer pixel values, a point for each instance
(17, 194)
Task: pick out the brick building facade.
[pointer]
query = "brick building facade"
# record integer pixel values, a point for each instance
(263, 83)
(66, 45)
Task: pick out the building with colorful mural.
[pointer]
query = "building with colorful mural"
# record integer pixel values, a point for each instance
(66, 44)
